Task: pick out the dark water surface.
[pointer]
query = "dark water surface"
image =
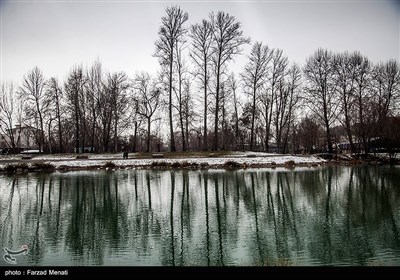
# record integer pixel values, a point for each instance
(320, 216)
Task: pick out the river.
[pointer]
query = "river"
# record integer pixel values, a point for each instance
(336, 215)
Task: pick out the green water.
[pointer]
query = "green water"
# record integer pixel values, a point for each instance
(317, 216)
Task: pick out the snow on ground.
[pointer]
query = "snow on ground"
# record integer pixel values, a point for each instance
(98, 160)
(246, 154)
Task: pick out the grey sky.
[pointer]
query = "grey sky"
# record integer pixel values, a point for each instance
(55, 35)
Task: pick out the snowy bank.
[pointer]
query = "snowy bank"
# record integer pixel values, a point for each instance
(234, 160)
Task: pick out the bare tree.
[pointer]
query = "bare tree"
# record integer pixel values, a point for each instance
(33, 92)
(95, 88)
(181, 71)
(363, 80)
(320, 89)
(277, 73)
(54, 97)
(286, 100)
(345, 79)
(225, 96)
(386, 91)
(387, 86)
(254, 78)
(116, 88)
(147, 100)
(227, 42)
(232, 86)
(188, 109)
(308, 133)
(170, 33)
(201, 53)
(10, 110)
(74, 91)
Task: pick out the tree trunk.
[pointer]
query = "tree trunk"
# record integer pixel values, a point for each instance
(93, 130)
(116, 135)
(181, 116)
(215, 144)
(148, 134)
(41, 145)
(187, 127)
(328, 136)
(253, 113)
(59, 127)
(135, 137)
(205, 137)
(49, 132)
(76, 124)
(171, 124)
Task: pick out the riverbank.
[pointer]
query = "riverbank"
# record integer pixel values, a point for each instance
(194, 160)
(178, 160)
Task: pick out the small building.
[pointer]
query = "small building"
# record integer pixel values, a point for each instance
(25, 138)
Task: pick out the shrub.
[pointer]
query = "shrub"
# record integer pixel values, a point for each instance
(42, 166)
(289, 163)
(11, 168)
(159, 164)
(176, 164)
(232, 164)
(109, 164)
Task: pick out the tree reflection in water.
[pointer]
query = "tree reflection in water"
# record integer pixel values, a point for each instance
(323, 216)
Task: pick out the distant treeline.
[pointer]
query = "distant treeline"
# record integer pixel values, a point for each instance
(196, 103)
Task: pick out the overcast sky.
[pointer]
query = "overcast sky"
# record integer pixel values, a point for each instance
(55, 35)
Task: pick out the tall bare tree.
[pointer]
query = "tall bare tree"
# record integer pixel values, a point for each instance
(363, 81)
(232, 86)
(201, 53)
(387, 86)
(188, 109)
(74, 92)
(227, 42)
(147, 100)
(54, 97)
(286, 101)
(254, 77)
(276, 75)
(345, 79)
(181, 71)
(95, 88)
(116, 88)
(33, 92)
(320, 90)
(171, 31)
(386, 89)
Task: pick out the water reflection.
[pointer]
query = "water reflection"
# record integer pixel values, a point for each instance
(326, 216)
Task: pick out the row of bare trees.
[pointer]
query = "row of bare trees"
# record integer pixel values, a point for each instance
(347, 90)
(91, 110)
(270, 102)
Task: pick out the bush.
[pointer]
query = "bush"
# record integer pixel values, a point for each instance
(109, 164)
(11, 168)
(289, 163)
(176, 164)
(159, 164)
(42, 166)
(232, 164)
